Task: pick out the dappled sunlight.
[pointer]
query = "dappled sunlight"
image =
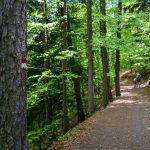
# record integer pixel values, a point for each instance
(130, 96)
(121, 103)
(127, 87)
(125, 102)
(147, 109)
(147, 128)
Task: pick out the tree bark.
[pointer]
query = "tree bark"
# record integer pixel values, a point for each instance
(75, 69)
(117, 65)
(105, 76)
(46, 61)
(104, 55)
(90, 58)
(13, 124)
(63, 13)
(107, 95)
(77, 87)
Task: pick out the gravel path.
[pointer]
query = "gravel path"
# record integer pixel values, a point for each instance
(123, 125)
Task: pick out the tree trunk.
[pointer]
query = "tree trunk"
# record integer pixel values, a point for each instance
(46, 61)
(107, 95)
(81, 115)
(117, 65)
(13, 127)
(104, 55)
(117, 74)
(63, 13)
(75, 69)
(105, 76)
(90, 58)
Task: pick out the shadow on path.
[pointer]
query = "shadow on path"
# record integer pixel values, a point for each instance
(123, 125)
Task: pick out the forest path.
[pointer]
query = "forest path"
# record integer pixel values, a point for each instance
(123, 125)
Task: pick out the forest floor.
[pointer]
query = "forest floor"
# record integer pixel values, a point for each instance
(123, 125)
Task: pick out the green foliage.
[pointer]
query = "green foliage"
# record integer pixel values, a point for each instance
(41, 86)
(45, 83)
(65, 54)
(47, 133)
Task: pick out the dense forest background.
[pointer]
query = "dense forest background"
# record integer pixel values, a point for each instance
(76, 50)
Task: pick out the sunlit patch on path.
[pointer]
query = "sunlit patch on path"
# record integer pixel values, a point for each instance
(123, 125)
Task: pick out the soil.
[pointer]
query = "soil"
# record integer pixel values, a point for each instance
(123, 125)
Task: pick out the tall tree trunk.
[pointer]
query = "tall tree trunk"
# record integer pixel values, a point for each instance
(104, 54)
(63, 13)
(90, 57)
(13, 127)
(46, 62)
(105, 78)
(117, 65)
(75, 69)
(107, 96)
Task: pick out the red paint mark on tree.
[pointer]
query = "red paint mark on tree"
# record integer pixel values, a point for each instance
(23, 63)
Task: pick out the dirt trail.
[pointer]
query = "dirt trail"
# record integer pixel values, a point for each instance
(123, 125)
